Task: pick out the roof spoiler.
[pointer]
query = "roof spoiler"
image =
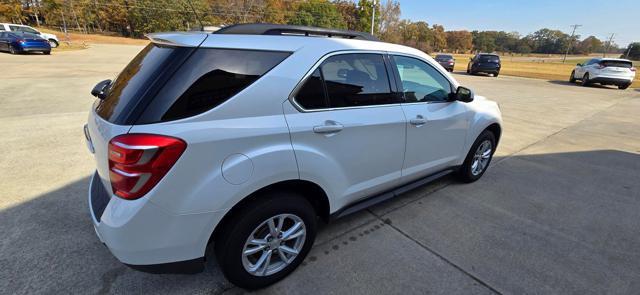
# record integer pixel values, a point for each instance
(179, 39)
(273, 29)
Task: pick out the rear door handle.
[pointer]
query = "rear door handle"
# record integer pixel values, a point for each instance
(418, 121)
(328, 127)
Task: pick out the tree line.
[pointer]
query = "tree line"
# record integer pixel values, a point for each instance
(134, 18)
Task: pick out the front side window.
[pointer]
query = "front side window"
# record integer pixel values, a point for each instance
(420, 81)
(357, 80)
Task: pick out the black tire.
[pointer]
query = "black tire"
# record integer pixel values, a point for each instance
(585, 80)
(572, 78)
(468, 71)
(496, 74)
(12, 50)
(465, 173)
(53, 43)
(230, 243)
(624, 86)
(47, 52)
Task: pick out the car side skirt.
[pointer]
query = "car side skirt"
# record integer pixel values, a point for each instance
(379, 198)
(192, 266)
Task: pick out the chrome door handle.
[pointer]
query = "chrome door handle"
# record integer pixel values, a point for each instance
(418, 121)
(328, 128)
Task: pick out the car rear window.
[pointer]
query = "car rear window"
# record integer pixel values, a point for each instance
(443, 57)
(489, 58)
(133, 85)
(616, 63)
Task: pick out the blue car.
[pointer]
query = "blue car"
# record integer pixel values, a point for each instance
(18, 42)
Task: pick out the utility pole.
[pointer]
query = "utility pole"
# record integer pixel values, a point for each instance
(570, 41)
(606, 47)
(373, 15)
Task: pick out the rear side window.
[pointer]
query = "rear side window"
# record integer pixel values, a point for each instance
(348, 80)
(616, 63)
(311, 95)
(207, 79)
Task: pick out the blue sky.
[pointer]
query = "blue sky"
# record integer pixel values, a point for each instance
(598, 18)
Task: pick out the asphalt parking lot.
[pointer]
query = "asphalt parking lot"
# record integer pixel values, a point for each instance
(558, 212)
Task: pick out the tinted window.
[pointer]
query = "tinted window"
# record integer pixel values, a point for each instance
(616, 63)
(134, 83)
(28, 36)
(420, 81)
(28, 30)
(207, 79)
(357, 80)
(440, 57)
(489, 58)
(312, 95)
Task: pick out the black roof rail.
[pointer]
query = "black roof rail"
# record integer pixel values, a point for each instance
(273, 29)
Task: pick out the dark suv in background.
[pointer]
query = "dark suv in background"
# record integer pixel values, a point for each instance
(484, 63)
(446, 61)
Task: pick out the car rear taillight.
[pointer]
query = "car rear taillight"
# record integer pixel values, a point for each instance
(137, 162)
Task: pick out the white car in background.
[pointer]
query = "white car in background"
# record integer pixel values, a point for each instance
(605, 71)
(53, 39)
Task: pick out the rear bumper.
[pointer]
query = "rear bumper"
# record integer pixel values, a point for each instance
(34, 48)
(489, 70)
(611, 80)
(145, 236)
(448, 66)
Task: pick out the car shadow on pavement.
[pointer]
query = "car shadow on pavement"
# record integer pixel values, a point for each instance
(49, 246)
(562, 82)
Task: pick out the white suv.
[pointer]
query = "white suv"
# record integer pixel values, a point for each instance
(606, 71)
(53, 39)
(246, 137)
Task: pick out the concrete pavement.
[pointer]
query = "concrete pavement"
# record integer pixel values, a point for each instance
(558, 211)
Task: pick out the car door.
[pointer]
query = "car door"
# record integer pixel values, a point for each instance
(436, 126)
(3, 41)
(347, 127)
(587, 67)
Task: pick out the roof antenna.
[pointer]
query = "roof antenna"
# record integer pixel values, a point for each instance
(196, 14)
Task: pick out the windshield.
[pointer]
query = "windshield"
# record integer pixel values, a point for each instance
(443, 57)
(489, 58)
(28, 36)
(616, 63)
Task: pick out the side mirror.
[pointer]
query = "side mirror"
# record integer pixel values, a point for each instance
(98, 90)
(463, 94)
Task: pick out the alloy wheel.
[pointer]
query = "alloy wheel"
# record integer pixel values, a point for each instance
(273, 245)
(481, 157)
